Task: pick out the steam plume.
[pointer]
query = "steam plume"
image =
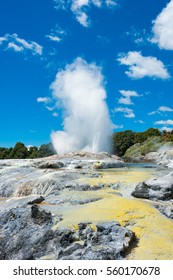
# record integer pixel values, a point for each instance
(86, 126)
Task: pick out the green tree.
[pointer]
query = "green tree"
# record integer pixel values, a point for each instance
(139, 137)
(19, 151)
(33, 152)
(122, 141)
(152, 132)
(4, 153)
(46, 150)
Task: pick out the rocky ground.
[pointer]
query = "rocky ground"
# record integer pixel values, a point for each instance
(30, 188)
(27, 231)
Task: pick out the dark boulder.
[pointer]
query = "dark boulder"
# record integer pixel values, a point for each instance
(37, 200)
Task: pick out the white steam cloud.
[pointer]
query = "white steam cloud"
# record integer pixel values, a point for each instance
(86, 126)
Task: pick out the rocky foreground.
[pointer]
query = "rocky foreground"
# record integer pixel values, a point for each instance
(29, 188)
(27, 230)
(28, 234)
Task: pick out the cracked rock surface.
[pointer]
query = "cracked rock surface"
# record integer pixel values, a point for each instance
(26, 233)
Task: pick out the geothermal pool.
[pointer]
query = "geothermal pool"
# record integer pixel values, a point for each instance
(154, 232)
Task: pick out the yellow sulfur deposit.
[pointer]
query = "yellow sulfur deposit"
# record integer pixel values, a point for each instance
(154, 232)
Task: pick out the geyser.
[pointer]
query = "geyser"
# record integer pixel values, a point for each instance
(79, 90)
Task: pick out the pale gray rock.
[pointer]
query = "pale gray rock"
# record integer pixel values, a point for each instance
(165, 157)
(151, 157)
(45, 164)
(166, 210)
(105, 164)
(160, 188)
(50, 175)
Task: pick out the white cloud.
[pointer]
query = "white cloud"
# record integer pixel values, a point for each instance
(32, 46)
(82, 18)
(56, 34)
(55, 114)
(143, 66)
(127, 94)
(2, 39)
(139, 37)
(128, 113)
(165, 109)
(80, 8)
(139, 41)
(140, 121)
(20, 45)
(49, 108)
(161, 110)
(153, 113)
(45, 100)
(163, 28)
(111, 3)
(118, 126)
(60, 4)
(15, 47)
(54, 38)
(165, 122)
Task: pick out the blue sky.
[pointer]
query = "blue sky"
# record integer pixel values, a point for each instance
(132, 41)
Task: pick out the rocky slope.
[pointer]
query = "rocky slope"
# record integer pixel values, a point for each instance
(140, 151)
(154, 149)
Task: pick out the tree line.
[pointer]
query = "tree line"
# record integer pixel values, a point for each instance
(121, 141)
(20, 151)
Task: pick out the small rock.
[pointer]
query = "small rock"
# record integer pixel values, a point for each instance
(34, 211)
(37, 200)
(40, 216)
